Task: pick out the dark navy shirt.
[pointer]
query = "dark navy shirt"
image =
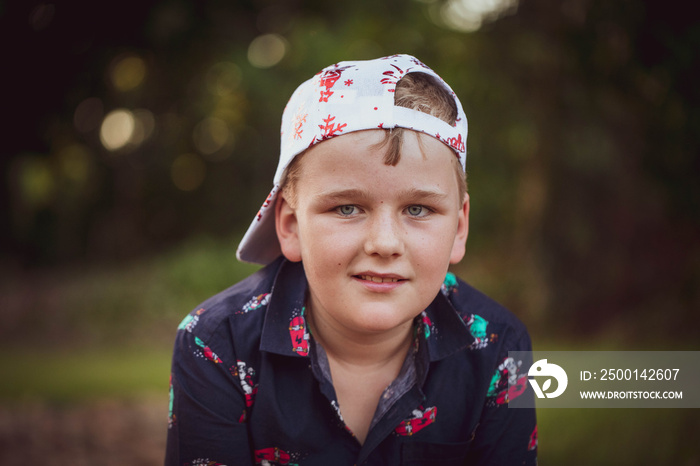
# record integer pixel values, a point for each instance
(249, 385)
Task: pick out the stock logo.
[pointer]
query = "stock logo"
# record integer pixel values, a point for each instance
(542, 368)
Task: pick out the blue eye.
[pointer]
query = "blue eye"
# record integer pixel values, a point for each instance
(416, 210)
(346, 209)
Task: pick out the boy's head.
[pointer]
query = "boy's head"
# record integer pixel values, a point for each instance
(394, 94)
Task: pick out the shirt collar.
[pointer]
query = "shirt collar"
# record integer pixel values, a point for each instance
(444, 331)
(285, 331)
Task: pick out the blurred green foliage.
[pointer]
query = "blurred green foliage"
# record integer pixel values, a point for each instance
(583, 148)
(138, 303)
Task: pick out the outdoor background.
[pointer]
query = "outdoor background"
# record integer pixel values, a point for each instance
(139, 141)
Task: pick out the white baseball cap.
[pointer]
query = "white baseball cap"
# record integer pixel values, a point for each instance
(342, 98)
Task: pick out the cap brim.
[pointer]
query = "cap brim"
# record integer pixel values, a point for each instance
(260, 244)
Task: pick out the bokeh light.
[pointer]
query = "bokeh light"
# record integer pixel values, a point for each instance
(117, 129)
(32, 174)
(75, 163)
(266, 50)
(124, 129)
(469, 15)
(144, 124)
(210, 136)
(223, 78)
(188, 172)
(127, 72)
(88, 114)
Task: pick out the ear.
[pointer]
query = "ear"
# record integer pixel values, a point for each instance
(287, 228)
(460, 245)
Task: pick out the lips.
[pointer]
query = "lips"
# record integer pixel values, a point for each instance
(379, 278)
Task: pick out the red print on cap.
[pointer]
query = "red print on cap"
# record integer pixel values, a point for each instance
(330, 129)
(392, 77)
(328, 80)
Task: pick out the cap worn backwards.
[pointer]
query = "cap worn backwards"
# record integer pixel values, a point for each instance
(342, 98)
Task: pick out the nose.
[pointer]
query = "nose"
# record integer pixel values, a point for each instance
(384, 235)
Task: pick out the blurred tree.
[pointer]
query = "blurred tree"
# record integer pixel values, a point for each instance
(622, 210)
(583, 150)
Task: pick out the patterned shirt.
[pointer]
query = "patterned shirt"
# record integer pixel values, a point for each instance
(249, 385)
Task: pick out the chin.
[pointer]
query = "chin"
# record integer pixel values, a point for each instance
(383, 320)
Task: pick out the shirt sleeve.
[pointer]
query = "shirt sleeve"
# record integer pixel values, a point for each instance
(506, 435)
(207, 422)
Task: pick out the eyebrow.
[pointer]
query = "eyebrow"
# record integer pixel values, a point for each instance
(424, 194)
(353, 193)
(411, 193)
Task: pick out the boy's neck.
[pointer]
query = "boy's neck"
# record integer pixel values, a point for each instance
(360, 349)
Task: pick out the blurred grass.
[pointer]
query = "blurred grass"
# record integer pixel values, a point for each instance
(77, 377)
(77, 335)
(620, 437)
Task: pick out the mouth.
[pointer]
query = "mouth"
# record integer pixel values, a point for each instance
(380, 278)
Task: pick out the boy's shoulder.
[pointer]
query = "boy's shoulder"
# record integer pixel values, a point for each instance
(241, 299)
(477, 309)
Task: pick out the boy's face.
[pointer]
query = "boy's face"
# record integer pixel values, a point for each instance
(375, 240)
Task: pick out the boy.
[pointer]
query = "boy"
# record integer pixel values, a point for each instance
(354, 345)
